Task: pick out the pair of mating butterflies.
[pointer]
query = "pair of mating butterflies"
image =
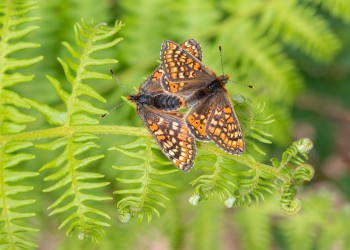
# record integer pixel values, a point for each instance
(182, 80)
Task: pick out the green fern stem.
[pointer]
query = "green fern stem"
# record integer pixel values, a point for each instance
(266, 169)
(147, 165)
(145, 182)
(142, 198)
(78, 79)
(215, 177)
(75, 185)
(136, 131)
(254, 181)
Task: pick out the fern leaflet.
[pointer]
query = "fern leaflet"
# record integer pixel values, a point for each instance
(293, 166)
(67, 169)
(142, 195)
(300, 26)
(15, 25)
(338, 8)
(226, 178)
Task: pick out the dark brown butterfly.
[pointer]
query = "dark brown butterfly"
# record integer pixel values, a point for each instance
(212, 117)
(155, 109)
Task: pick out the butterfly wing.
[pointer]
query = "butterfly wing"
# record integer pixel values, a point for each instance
(197, 118)
(212, 117)
(171, 134)
(193, 47)
(183, 72)
(153, 85)
(222, 126)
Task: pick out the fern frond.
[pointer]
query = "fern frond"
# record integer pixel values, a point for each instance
(67, 169)
(12, 15)
(322, 225)
(259, 31)
(77, 185)
(337, 8)
(261, 55)
(204, 16)
(57, 18)
(253, 118)
(218, 181)
(208, 216)
(291, 155)
(252, 185)
(12, 228)
(292, 165)
(226, 179)
(15, 24)
(254, 227)
(143, 196)
(140, 28)
(299, 25)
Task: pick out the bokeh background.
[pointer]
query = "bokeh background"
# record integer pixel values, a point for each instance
(295, 53)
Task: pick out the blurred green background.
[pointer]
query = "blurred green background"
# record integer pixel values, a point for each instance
(295, 53)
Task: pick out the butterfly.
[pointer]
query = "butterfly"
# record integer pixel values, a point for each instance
(212, 116)
(155, 109)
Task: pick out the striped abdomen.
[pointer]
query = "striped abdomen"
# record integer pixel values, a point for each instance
(168, 102)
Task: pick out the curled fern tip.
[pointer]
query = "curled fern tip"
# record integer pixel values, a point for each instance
(239, 98)
(230, 202)
(124, 216)
(194, 200)
(304, 145)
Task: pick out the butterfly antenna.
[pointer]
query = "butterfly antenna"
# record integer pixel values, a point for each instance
(223, 73)
(117, 80)
(108, 112)
(242, 84)
(221, 61)
(122, 86)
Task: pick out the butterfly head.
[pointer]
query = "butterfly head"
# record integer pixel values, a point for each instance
(224, 78)
(139, 99)
(132, 98)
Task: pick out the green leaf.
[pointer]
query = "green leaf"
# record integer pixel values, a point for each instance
(16, 225)
(145, 200)
(69, 167)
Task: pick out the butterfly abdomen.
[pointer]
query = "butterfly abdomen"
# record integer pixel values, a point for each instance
(168, 102)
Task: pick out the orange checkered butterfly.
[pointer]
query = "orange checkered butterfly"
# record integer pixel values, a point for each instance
(212, 117)
(168, 128)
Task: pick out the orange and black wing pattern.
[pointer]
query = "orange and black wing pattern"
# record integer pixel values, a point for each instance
(155, 106)
(214, 119)
(183, 72)
(154, 84)
(197, 118)
(171, 134)
(223, 127)
(193, 47)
